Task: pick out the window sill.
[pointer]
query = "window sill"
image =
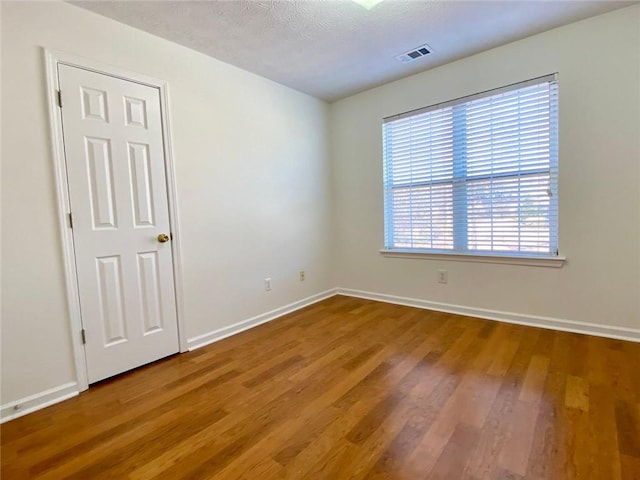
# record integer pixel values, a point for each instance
(554, 262)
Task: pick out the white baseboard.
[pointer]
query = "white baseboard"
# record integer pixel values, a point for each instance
(37, 401)
(620, 333)
(57, 394)
(214, 336)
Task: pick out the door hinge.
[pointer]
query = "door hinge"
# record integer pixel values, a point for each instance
(70, 220)
(60, 98)
(83, 335)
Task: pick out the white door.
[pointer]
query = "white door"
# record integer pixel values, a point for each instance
(117, 187)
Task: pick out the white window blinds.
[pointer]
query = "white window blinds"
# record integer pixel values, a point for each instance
(475, 175)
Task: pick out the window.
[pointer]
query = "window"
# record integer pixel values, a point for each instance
(477, 175)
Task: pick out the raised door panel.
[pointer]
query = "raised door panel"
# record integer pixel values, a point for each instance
(100, 180)
(150, 294)
(110, 294)
(141, 188)
(94, 104)
(135, 112)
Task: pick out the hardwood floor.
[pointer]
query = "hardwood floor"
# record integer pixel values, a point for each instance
(353, 389)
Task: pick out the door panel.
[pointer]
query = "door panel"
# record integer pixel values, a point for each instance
(141, 185)
(112, 310)
(150, 294)
(117, 187)
(100, 173)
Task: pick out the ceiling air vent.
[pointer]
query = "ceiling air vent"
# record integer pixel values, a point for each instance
(414, 54)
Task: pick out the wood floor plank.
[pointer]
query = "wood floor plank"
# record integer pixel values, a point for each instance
(352, 389)
(577, 393)
(603, 438)
(450, 463)
(630, 467)
(484, 459)
(514, 456)
(628, 425)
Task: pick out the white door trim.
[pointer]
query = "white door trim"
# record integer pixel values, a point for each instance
(52, 59)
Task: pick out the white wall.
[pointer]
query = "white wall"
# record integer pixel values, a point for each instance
(598, 61)
(252, 174)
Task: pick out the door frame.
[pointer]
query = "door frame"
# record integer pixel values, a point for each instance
(52, 59)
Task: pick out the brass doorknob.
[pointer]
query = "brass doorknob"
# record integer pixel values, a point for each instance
(163, 237)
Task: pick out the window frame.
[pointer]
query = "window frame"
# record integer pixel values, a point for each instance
(460, 179)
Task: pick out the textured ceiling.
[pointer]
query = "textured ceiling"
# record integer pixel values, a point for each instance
(334, 48)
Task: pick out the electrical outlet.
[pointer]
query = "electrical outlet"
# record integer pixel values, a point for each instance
(267, 284)
(443, 277)
(302, 275)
